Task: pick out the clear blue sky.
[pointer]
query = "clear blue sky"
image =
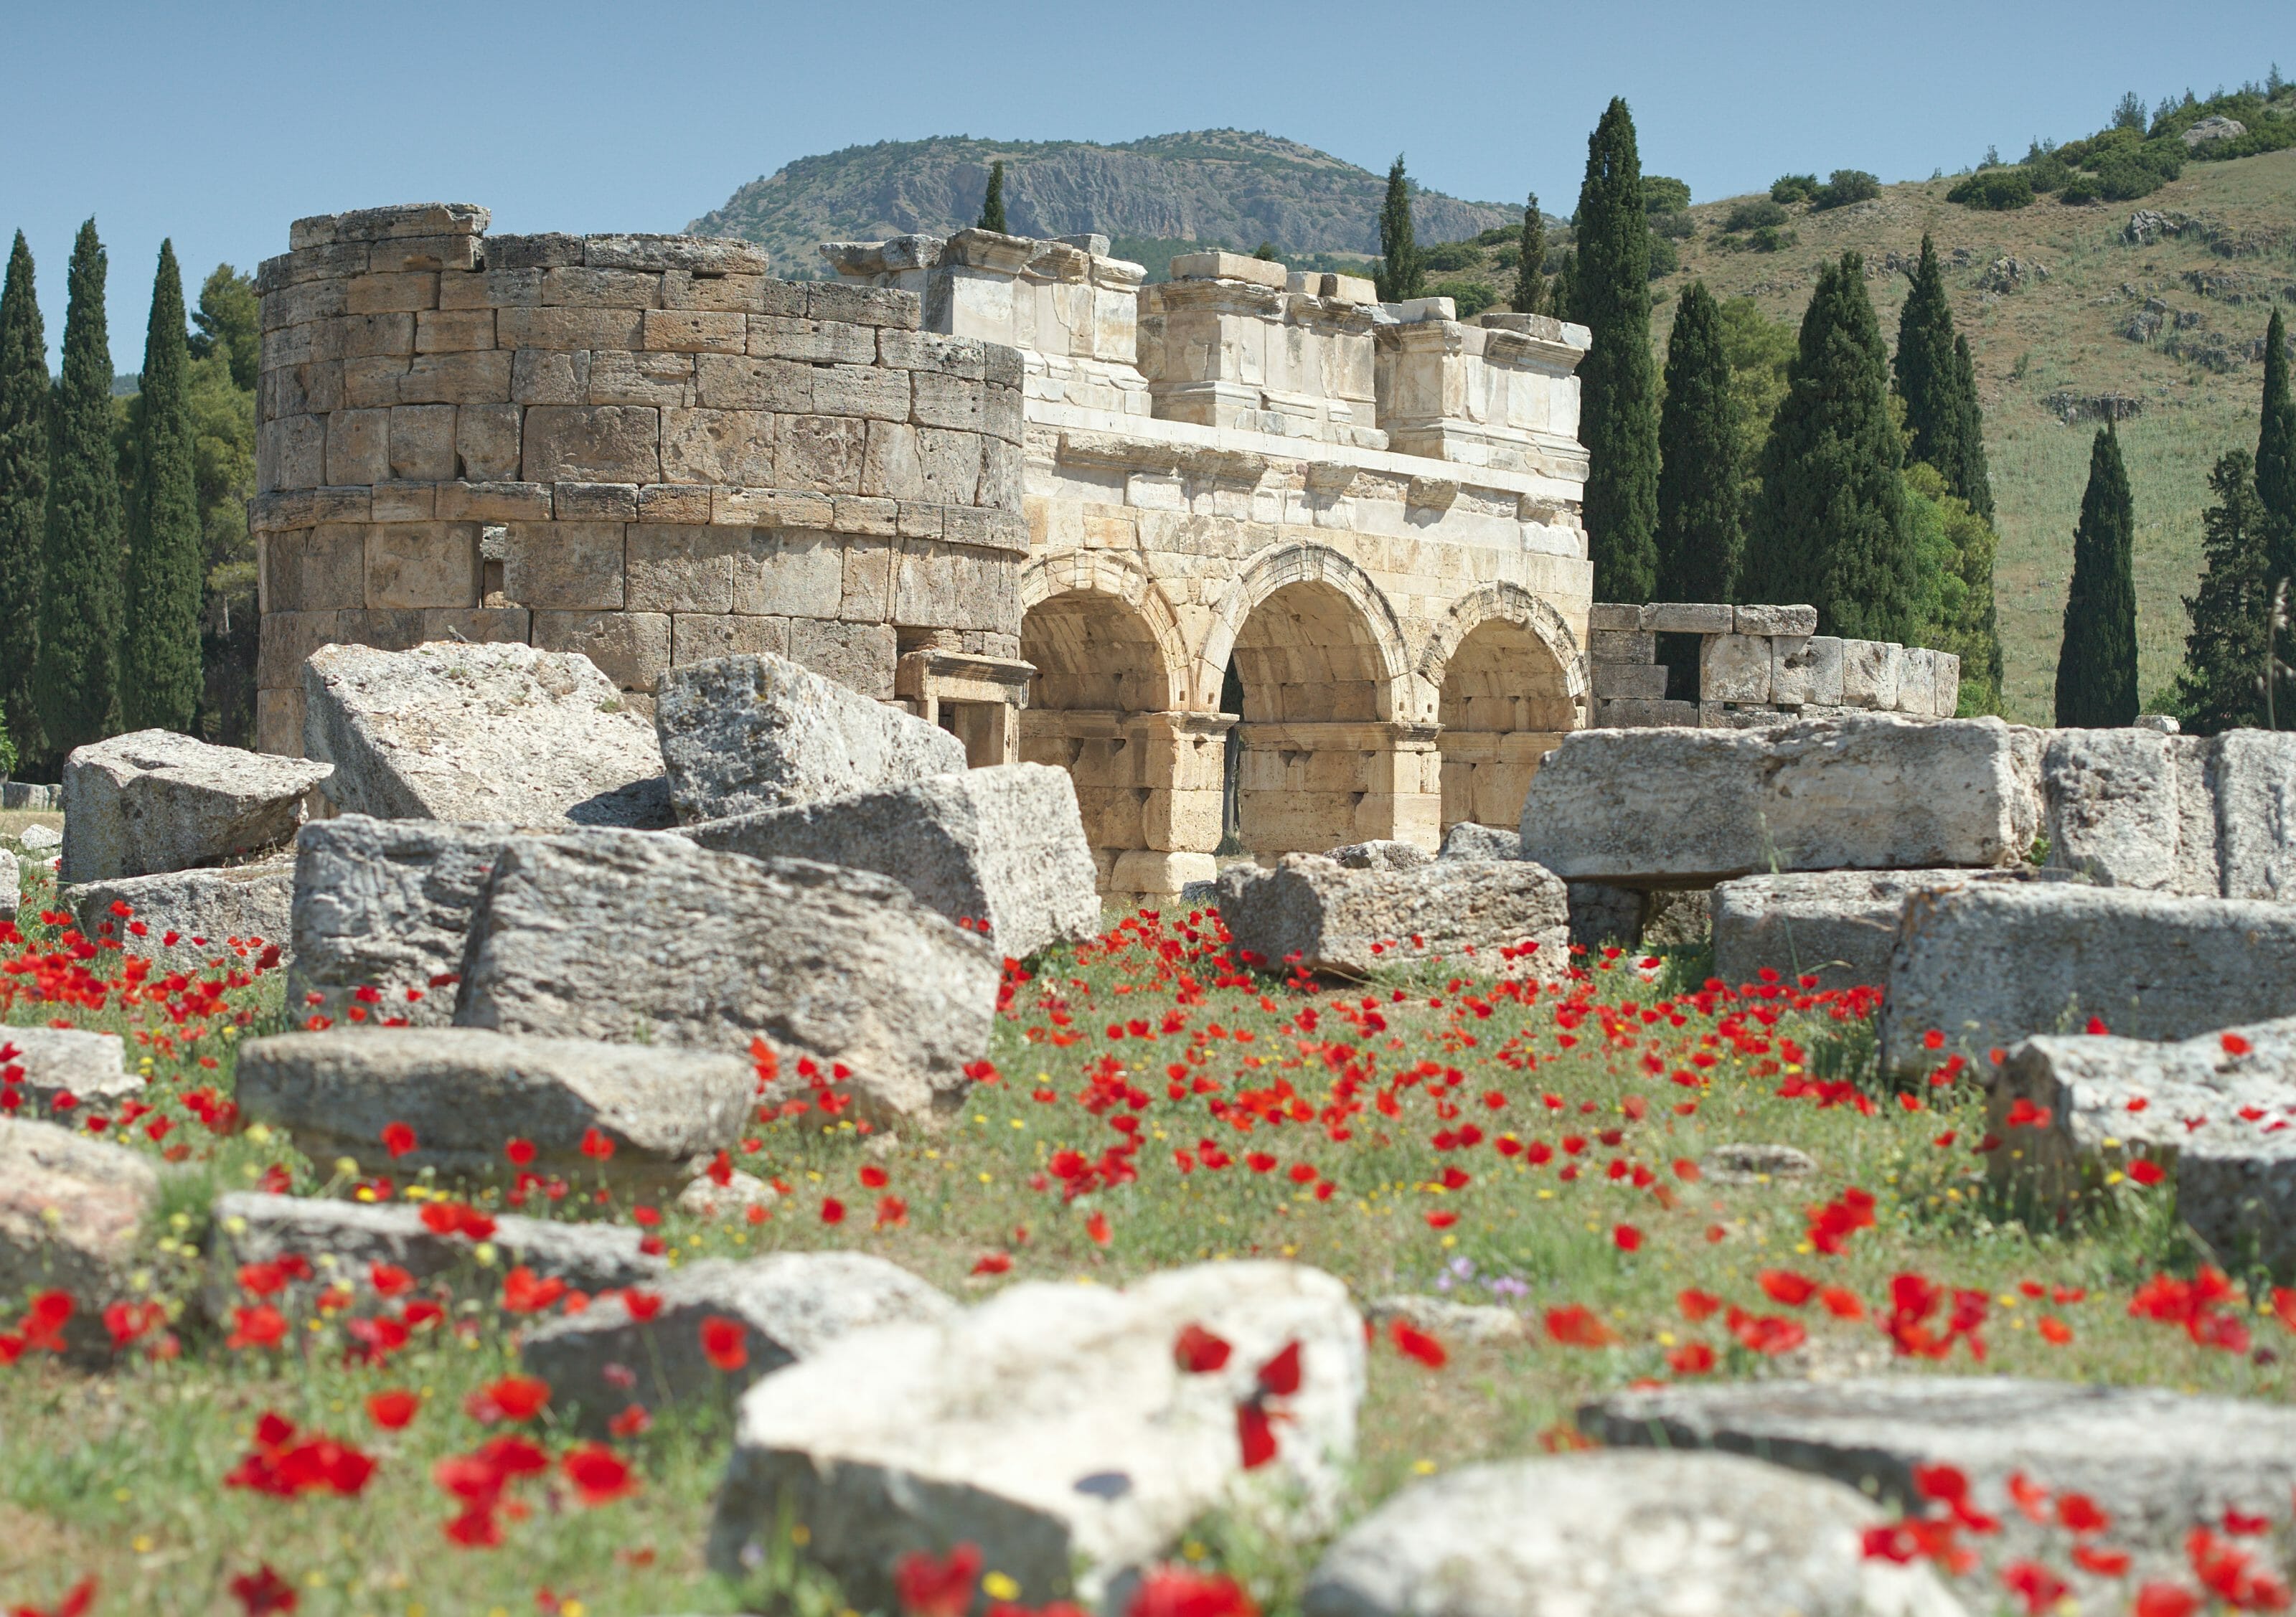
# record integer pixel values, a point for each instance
(218, 123)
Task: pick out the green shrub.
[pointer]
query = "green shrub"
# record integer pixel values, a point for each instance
(1449, 257)
(1996, 190)
(1661, 195)
(1473, 297)
(1770, 238)
(1754, 215)
(1507, 257)
(1795, 188)
(1844, 186)
(1664, 258)
(2045, 173)
(1498, 235)
(2080, 191)
(1676, 226)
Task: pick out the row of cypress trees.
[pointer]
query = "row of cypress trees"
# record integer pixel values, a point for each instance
(99, 595)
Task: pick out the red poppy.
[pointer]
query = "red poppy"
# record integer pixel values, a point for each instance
(1577, 1326)
(1198, 1351)
(1783, 1285)
(390, 1280)
(641, 1306)
(1417, 1344)
(520, 1151)
(992, 1263)
(892, 1212)
(262, 1592)
(874, 1177)
(2146, 1173)
(724, 1342)
(260, 1326)
(1096, 1228)
(398, 1139)
(599, 1474)
(523, 1293)
(1628, 1238)
(510, 1398)
(75, 1603)
(2165, 1600)
(1175, 1592)
(1691, 1358)
(631, 1422)
(927, 1586)
(1697, 1305)
(596, 1145)
(2035, 1585)
(393, 1409)
(1442, 1218)
(1255, 1434)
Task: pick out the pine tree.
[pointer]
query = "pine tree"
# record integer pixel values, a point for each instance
(992, 200)
(76, 679)
(159, 641)
(1976, 478)
(23, 494)
(1935, 378)
(1831, 528)
(1402, 275)
(2224, 650)
(2097, 666)
(1530, 273)
(1699, 527)
(1618, 411)
(2275, 454)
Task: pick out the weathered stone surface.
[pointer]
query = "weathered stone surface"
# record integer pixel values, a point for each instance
(49, 1061)
(386, 904)
(154, 800)
(2254, 780)
(1988, 963)
(1051, 1426)
(342, 1241)
(1673, 807)
(1004, 845)
(38, 839)
(1603, 916)
(791, 1305)
(1470, 841)
(70, 1209)
(12, 882)
(1348, 922)
(2223, 1124)
(1380, 855)
(1839, 926)
(743, 733)
(2111, 803)
(2157, 1462)
(620, 936)
(464, 1091)
(1452, 1321)
(240, 910)
(1676, 917)
(1756, 1163)
(503, 731)
(1626, 1535)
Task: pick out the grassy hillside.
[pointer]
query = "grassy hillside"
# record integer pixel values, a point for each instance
(2040, 341)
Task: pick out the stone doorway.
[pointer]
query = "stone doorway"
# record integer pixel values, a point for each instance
(1505, 703)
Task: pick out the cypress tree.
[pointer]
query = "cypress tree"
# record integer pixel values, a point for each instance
(1831, 528)
(1531, 274)
(2275, 454)
(1938, 383)
(23, 493)
(1402, 275)
(159, 643)
(1699, 528)
(1977, 480)
(1562, 292)
(1618, 411)
(76, 679)
(992, 200)
(2097, 666)
(2224, 650)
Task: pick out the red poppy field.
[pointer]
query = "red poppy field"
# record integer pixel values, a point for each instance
(1149, 1102)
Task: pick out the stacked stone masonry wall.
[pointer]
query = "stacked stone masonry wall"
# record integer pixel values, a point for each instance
(1757, 665)
(640, 448)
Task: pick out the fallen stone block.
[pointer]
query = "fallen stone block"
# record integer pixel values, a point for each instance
(386, 905)
(465, 1092)
(1051, 1426)
(1380, 855)
(1986, 963)
(39, 1064)
(2157, 1462)
(1470, 841)
(621, 936)
(342, 1242)
(189, 917)
(2113, 807)
(741, 733)
(71, 1209)
(2254, 780)
(787, 1307)
(39, 839)
(1839, 926)
(1004, 845)
(2071, 1110)
(1680, 807)
(1626, 1535)
(153, 800)
(1755, 1163)
(495, 732)
(12, 882)
(1348, 922)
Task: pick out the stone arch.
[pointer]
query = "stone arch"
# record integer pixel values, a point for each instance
(1506, 681)
(1327, 574)
(1135, 615)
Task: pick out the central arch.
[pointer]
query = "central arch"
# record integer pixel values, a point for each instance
(1506, 673)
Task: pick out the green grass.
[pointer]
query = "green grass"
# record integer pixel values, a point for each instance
(120, 1475)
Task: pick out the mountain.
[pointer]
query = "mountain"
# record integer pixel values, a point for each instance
(1210, 186)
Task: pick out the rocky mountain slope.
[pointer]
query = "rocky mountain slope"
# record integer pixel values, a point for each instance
(1207, 185)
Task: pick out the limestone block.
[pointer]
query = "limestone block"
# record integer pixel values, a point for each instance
(858, 656)
(2114, 809)
(1839, 926)
(398, 500)
(760, 733)
(1869, 673)
(1806, 670)
(1380, 854)
(1795, 620)
(834, 964)
(191, 917)
(1003, 845)
(706, 636)
(660, 379)
(1949, 684)
(949, 401)
(543, 376)
(155, 800)
(290, 452)
(594, 502)
(1151, 873)
(1347, 922)
(1621, 617)
(688, 330)
(417, 564)
(630, 649)
(358, 446)
(1619, 645)
(1632, 713)
(564, 566)
(1051, 1427)
(50, 1062)
(1228, 266)
(862, 391)
(592, 443)
(1626, 1534)
(684, 503)
(1988, 964)
(2255, 783)
(723, 382)
(1688, 807)
(1628, 681)
(487, 441)
(790, 1306)
(456, 732)
(1917, 681)
(1470, 841)
(681, 570)
(789, 573)
(1684, 617)
(1733, 668)
(569, 328)
(825, 453)
(464, 1091)
(71, 1210)
(820, 341)
(453, 331)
